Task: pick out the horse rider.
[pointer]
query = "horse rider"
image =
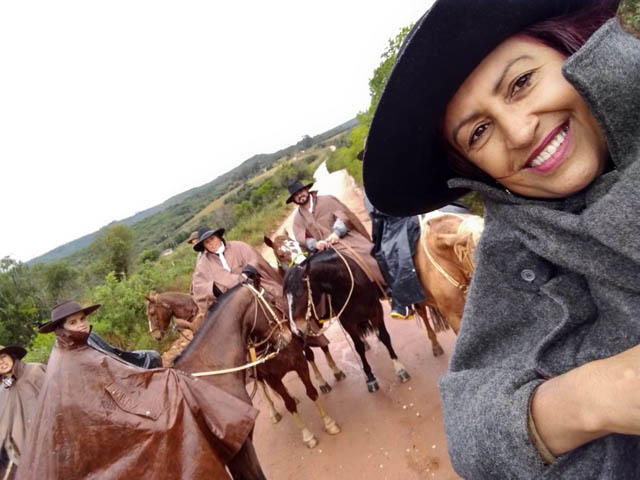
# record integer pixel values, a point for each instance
(21, 384)
(139, 358)
(223, 264)
(323, 221)
(100, 417)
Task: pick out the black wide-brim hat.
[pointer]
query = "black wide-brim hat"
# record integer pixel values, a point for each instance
(295, 187)
(405, 168)
(16, 352)
(203, 234)
(60, 312)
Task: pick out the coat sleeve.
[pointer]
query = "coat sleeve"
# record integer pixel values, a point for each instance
(202, 287)
(491, 379)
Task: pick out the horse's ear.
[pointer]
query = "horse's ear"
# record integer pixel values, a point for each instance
(286, 232)
(268, 242)
(216, 291)
(446, 240)
(151, 296)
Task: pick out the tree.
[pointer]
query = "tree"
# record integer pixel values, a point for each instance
(112, 251)
(21, 308)
(59, 280)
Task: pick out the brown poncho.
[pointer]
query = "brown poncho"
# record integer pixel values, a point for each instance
(99, 417)
(209, 271)
(18, 406)
(319, 225)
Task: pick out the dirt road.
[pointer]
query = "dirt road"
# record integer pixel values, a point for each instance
(395, 433)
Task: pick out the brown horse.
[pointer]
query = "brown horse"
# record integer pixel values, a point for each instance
(352, 298)
(162, 306)
(444, 261)
(222, 341)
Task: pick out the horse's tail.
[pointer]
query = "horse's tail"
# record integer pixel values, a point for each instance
(438, 320)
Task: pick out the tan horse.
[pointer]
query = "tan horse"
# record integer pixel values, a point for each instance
(444, 261)
(162, 306)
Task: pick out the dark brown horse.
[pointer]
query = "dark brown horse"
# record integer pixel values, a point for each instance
(162, 306)
(232, 322)
(353, 298)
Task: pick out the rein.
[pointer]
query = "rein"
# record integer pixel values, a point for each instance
(459, 285)
(272, 318)
(365, 267)
(311, 308)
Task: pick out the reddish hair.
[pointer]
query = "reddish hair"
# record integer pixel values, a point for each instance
(566, 34)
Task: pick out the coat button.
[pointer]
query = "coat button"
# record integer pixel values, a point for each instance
(528, 275)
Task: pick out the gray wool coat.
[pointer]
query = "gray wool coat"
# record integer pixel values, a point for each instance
(557, 284)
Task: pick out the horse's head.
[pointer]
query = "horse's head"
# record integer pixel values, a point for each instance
(296, 291)
(262, 323)
(158, 314)
(454, 239)
(288, 252)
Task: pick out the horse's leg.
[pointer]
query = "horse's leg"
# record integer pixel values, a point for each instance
(307, 437)
(337, 373)
(330, 426)
(436, 348)
(273, 413)
(245, 465)
(385, 338)
(324, 386)
(372, 383)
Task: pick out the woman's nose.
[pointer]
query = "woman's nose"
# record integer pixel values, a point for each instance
(520, 129)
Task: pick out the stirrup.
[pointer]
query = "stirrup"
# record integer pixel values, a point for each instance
(407, 316)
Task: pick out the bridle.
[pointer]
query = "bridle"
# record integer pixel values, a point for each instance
(312, 313)
(276, 326)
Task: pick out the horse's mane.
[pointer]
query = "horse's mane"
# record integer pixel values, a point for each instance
(213, 308)
(294, 277)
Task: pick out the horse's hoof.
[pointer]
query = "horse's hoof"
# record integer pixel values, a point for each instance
(367, 347)
(333, 428)
(326, 388)
(438, 350)
(276, 418)
(340, 375)
(311, 442)
(373, 386)
(403, 375)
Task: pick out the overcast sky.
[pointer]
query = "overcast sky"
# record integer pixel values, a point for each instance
(108, 108)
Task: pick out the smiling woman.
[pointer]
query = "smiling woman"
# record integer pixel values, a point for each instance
(535, 105)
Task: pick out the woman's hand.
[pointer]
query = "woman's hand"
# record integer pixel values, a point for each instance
(333, 238)
(589, 402)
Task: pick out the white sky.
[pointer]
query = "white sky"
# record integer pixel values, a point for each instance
(108, 108)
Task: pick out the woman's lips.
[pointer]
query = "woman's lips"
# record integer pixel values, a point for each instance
(554, 152)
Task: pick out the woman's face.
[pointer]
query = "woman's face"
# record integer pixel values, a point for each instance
(77, 323)
(212, 243)
(6, 364)
(519, 120)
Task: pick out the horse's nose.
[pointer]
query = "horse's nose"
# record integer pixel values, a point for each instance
(157, 335)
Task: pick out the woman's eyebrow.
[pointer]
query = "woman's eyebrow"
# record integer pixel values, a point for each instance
(495, 90)
(509, 64)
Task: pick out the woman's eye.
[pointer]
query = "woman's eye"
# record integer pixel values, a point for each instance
(521, 82)
(477, 133)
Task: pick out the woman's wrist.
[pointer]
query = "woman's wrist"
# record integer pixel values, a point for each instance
(562, 411)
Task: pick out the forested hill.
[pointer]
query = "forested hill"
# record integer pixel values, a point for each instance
(186, 203)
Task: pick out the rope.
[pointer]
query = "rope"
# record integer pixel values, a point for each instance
(442, 271)
(366, 268)
(260, 300)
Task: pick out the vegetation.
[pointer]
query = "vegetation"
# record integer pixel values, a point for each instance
(119, 264)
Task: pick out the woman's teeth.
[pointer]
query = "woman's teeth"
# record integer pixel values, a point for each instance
(550, 149)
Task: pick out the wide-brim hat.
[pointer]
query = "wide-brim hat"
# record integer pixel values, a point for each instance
(405, 168)
(203, 234)
(193, 237)
(63, 310)
(295, 187)
(16, 352)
